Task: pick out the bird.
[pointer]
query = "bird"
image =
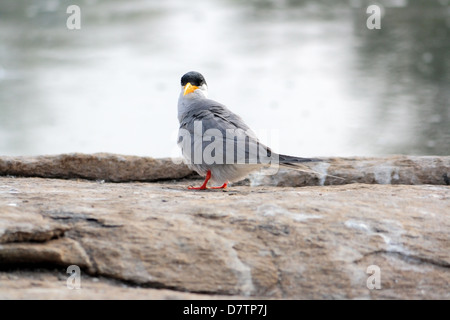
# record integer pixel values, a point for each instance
(217, 143)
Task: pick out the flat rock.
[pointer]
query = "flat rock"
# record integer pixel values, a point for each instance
(98, 166)
(159, 240)
(52, 285)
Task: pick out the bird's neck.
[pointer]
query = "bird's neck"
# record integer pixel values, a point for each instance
(186, 102)
(183, 107)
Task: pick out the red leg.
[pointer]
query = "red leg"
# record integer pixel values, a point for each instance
(203, 187)
(222, 187)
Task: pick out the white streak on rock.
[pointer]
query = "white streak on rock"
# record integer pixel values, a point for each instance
(243, 272)
(321, 167)
(394, 240)
(358, 225)
(273, 210)
(383, 174)
(391, 233)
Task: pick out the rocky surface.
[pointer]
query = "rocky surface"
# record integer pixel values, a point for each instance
(52, 285)
(120, 168)
(409, 170)
(159, 240)
(98, 166)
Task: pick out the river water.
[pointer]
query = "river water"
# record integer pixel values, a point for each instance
(308, 76)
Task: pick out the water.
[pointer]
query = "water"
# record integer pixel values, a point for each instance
(307, 75)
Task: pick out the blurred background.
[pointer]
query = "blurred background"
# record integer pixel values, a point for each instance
(307, 75)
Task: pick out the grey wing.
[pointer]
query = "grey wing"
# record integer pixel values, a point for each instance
(211, 134)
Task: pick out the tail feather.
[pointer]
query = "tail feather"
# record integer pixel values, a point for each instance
(288, 160)
(295, 163)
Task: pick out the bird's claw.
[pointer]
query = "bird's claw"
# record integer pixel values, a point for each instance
(197, 188)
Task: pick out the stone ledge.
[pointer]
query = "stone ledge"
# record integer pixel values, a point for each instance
(97, 166)
(410, 170)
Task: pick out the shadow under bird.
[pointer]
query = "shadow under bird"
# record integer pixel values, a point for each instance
(205, 123)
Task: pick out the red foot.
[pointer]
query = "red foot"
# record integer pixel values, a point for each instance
(222, 187)
(203, 187)
(197, 188)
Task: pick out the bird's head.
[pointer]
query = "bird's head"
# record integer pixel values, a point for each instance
(193, 84)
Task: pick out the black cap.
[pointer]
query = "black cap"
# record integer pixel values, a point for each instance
(193, 77)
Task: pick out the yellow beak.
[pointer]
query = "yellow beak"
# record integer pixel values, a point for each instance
(189, 88)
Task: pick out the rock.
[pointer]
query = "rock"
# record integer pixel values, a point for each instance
(118, 168)
(99, 166)
(262, 242)
(52, 285)
(410, 170)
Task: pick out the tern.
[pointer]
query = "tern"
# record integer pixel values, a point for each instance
(216, 142)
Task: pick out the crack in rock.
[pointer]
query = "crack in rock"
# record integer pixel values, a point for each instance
(74, 217)
(407, 258)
